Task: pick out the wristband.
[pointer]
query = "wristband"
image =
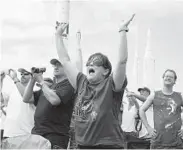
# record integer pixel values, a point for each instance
(124, 61)
(124, 29)
(15, 82)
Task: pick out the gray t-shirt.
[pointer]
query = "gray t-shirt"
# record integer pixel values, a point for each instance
(167, 119)
(96, 113)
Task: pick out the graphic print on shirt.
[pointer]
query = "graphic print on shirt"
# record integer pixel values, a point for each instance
(84, 107)
(171, 108)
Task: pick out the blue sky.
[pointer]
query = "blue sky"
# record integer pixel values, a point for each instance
(27, 31)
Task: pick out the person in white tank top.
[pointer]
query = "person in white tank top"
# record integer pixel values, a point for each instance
(141, 98)
(20, 116)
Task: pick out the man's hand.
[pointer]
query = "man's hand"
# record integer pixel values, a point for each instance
(152, 132)
(38, 77)
(60, 28)
(124, 25)
(180, 133)
(13, 74)
(130, 94)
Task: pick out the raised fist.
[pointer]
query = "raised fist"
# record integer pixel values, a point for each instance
(12, 74)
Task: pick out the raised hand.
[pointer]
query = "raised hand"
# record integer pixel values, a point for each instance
(13, 74)
(124, 25)
(38, 77)
(130, 94)
(131, 102)
(60, 28)
(152, 132)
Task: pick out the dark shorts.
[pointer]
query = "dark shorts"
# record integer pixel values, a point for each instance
(133, 142)
(166, 147)
(100, 147)
(157, 143)
(57, 141)
(155, 146)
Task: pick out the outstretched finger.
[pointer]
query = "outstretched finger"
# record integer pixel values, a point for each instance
(130, 19)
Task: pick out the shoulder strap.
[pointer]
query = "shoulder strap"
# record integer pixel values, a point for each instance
(138, 123)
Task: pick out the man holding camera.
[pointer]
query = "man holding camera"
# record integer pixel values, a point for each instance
(19, 119)
(54, 106)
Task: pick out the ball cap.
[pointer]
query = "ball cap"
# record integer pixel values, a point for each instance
(54, 61)
(22, 70)
(144, 89)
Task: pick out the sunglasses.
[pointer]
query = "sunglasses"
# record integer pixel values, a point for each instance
(25, 74)
(95, 62)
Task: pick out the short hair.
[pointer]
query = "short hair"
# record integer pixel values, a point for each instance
(170, 70)
(104, 61)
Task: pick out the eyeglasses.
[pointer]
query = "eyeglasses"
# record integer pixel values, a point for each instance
(169, 76)
(24, 74)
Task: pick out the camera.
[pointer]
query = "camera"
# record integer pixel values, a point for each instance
(38, 70)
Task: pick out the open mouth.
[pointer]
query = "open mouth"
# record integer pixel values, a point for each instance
(91, 70)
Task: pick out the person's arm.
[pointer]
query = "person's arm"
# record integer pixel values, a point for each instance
(119, 73)
(132, 101)
(2, 79)
(1, 86)
(28, 96)
(4, 102)
(2, 109)
(143, 116)
(79, 58)
(69, 68)
(180, 132)
(136, 104)
(139, 97)
(50, 95)
(19, 85)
